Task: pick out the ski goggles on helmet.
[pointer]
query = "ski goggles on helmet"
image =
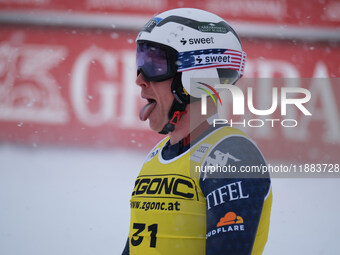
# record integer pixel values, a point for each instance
(155, 61)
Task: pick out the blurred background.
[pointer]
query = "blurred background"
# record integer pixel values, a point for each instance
(71, 143)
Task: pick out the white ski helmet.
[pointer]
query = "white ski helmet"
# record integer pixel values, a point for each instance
(192, 42)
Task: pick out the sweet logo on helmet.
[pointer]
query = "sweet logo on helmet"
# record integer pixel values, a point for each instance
(198, 60)
(183, 41)
(213, 58)
(206, 40)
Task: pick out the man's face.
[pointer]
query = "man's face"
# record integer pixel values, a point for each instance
(159, 97)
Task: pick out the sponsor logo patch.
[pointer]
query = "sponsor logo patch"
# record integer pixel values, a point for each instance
(215, 161)
(230, 222)
(152, 154)
(225, 194)
(198, 155)
(230, 218)
(212, 28)
(165, 186)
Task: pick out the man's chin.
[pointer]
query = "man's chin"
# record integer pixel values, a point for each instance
(156, 127)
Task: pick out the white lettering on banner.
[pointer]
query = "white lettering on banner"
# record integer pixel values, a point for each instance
(268, 69)
(31, 91)
(259, 8)
(28, 91)
(108, 90)
(129, 93)
(154, 5)
(26, 2)
(327, 114)
(332, 11)
(330, 114)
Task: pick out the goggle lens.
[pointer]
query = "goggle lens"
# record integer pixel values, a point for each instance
(152, 61)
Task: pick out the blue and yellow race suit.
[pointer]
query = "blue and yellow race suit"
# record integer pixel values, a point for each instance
(181, 206)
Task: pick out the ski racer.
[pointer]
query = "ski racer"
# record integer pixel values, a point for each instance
(177, 205)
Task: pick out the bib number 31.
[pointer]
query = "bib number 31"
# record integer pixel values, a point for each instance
(140, 227)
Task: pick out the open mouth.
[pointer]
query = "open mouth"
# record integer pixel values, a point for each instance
(147, 109)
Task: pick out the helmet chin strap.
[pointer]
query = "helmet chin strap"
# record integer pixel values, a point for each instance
(176, 111)
(178, 105)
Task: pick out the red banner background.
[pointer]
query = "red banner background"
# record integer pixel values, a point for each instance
(283, 12)
(76, 87)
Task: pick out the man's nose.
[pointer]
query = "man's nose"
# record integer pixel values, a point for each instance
(140, 80)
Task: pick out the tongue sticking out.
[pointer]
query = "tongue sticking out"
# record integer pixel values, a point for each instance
(146, 111)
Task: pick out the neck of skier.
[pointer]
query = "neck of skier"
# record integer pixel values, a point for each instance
(192, 122)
